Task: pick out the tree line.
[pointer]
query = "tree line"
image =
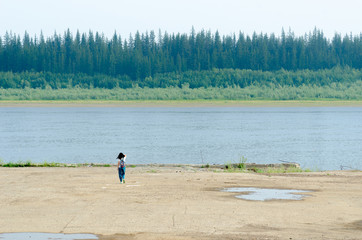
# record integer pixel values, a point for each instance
(144, 57)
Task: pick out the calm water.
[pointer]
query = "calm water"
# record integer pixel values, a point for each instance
(265, 194)
(317, 138)
(46, 236)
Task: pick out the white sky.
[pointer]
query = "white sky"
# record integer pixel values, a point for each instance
(227, 16)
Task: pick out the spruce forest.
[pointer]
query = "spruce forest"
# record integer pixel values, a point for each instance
(195, 60)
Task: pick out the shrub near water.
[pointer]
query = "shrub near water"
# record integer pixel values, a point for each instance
(31, 164)
(49, 164)
(342, 83)
(237, 167)
(18, 164)
(352, 91)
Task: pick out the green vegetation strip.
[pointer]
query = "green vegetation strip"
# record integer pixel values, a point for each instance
(267, 169)
(241, 167)
(335, 92)
(219, 84)
(49, 164)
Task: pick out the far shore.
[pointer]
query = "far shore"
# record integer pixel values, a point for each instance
(183, 103)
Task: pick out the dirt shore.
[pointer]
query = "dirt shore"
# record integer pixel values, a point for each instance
(184, 103)
(178, 203)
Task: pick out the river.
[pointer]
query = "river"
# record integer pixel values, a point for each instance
(318, 138)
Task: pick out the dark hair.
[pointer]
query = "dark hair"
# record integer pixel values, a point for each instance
(120, 156)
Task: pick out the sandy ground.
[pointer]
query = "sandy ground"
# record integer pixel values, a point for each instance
(178, 203)
(183, 103)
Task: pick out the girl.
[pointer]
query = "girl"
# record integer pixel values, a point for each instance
(121, 167)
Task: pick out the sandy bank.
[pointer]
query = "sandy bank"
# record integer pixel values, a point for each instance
(178, 203)
(179, 103)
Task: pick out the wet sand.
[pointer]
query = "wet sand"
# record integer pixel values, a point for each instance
(178, 203)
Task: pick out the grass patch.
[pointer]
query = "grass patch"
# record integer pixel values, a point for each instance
(29, 163)
(237, 167)
(268, 170)
(279, 170)
(242, 166)
(206, 166)
(49, 164)
(18, 164)
(100, 165)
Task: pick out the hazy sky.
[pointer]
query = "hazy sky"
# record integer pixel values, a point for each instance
(227, 16)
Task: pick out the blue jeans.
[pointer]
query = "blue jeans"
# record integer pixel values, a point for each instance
(121, 173)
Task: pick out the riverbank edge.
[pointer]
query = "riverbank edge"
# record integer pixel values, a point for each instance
(183, 103)
(157, 165)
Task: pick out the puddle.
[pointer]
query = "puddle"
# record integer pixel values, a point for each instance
(46, 236)
(263, 194)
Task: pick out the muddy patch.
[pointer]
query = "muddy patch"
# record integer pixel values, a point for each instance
(357, 225)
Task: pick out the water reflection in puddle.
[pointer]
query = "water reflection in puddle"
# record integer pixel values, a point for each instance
(263, 194)
(46, 236)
